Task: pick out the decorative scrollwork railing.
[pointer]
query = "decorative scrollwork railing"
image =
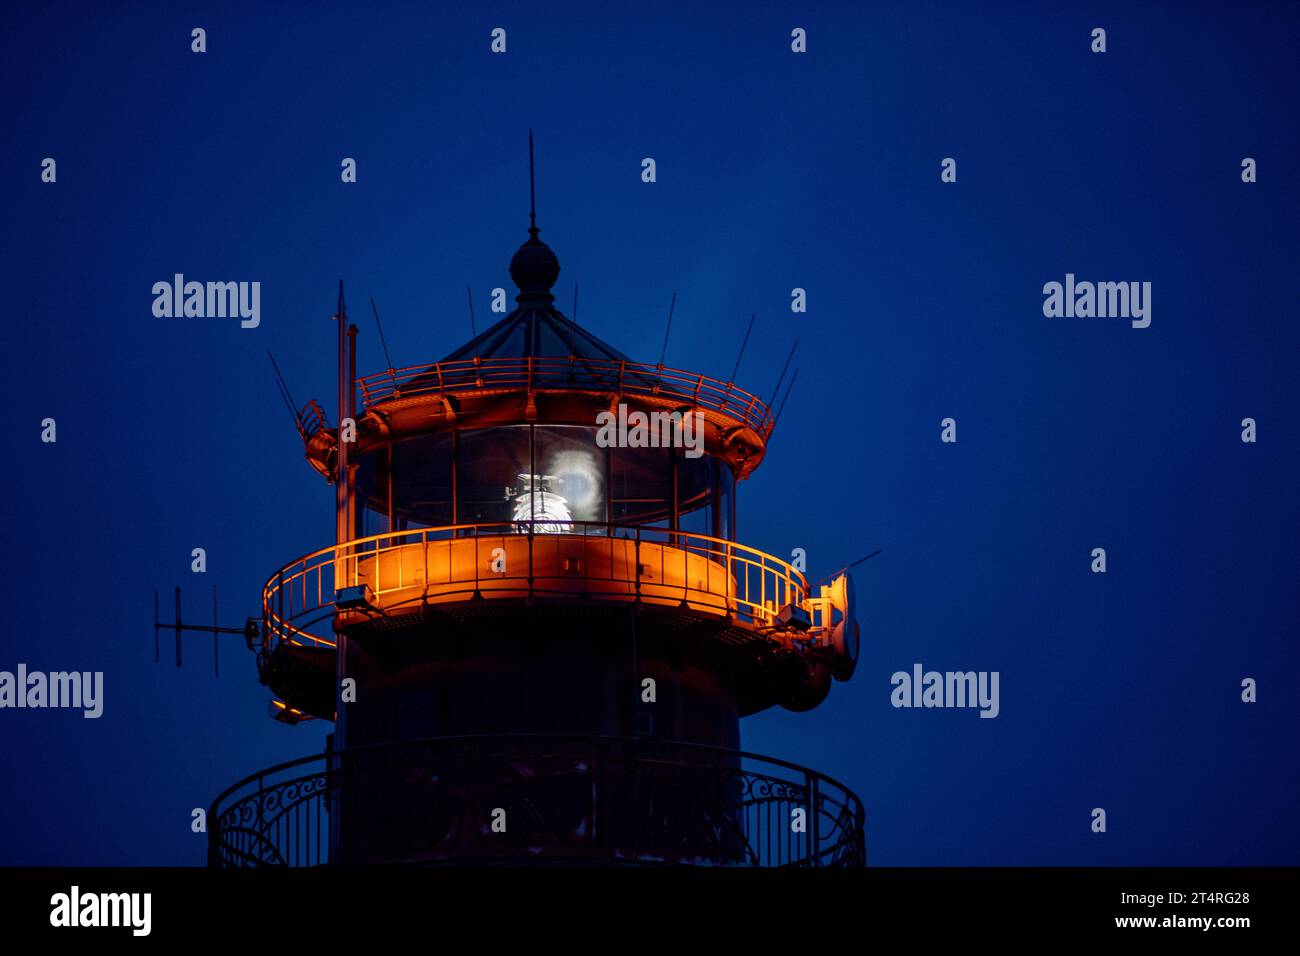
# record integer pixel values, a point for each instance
(530, 798)
(602, 561)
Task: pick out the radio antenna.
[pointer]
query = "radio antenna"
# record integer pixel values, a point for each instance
(848, 567)
(664, 352)
(742, 347)
(249, 631)
(284, 393)
(532, 193)
(788, 389)
(785, 368)
(469, 294)
(382, 341)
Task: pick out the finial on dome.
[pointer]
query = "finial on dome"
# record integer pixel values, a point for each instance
(534, 267)
(532, 191)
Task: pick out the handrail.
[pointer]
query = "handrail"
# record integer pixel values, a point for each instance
(737, 790)
(750, 585)
(311, 420)
(539, 373)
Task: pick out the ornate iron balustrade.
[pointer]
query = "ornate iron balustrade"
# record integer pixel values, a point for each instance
(533, 373)
(561, 799)
(605, 561)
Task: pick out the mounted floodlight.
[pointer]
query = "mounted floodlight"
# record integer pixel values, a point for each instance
(795, 617)
(352, 598)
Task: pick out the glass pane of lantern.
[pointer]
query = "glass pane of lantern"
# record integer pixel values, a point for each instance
(571, 473)
(491, 462)
(640, 485)
(421, 485)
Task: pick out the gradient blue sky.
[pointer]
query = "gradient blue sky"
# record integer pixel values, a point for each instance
(774, 171)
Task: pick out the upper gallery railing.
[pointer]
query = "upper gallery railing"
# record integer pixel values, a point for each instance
(531, 373)
(596, 560)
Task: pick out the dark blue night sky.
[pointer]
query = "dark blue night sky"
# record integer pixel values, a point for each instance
(775, 171)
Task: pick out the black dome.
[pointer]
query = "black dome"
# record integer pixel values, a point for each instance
(534, 270)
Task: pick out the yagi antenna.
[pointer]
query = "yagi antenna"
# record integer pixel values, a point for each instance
(249, 631)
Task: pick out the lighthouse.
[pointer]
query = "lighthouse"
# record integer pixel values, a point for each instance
(539, 626)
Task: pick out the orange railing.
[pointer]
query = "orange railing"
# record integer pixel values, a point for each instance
(400, 571)
(311, 419)
(532, 373)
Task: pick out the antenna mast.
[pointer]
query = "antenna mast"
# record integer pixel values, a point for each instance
(664, 351)
(784, 368)
(788, 389)
(382, 341)
(532, 192)
(742, 348)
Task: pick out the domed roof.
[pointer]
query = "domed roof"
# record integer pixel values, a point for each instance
(534, 269)
(536, 329)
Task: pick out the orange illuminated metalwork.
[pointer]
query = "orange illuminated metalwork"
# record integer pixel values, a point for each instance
(554, 619)
(533, 373)
(406, 570)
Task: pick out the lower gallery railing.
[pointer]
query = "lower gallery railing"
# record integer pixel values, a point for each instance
(603, 562)
(526, 798)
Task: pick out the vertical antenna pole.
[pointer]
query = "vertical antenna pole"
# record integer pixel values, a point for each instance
(342, 530)
(355, 514)
(473, 326)
(342, 527)
(532, 192)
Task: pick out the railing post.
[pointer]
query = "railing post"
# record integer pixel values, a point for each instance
(727, 572)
